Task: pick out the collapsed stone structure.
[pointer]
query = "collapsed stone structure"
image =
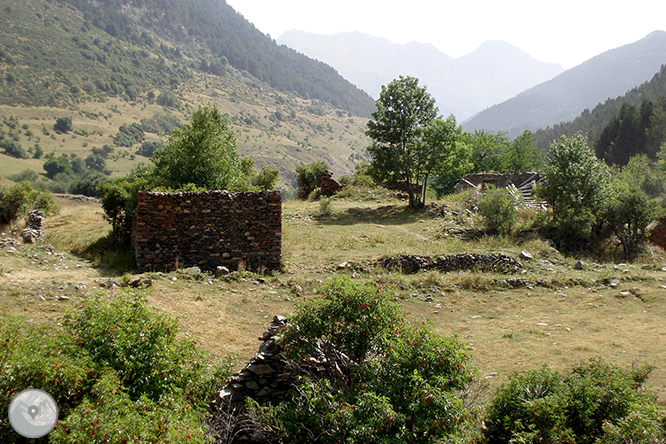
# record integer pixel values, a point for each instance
(657, 232)
(34, 228)
(517, 183)
(412, 263)
(267, 377)
(208, 229)
(329, 186)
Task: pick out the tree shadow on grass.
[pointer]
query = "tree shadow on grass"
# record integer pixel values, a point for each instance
(111, 260)
(385, 215)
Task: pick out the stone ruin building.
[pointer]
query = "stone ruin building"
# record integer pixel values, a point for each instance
(208, 230)
(517, 183)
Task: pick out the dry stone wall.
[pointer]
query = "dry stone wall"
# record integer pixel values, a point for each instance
(208, 230)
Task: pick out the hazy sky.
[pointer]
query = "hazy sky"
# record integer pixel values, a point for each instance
(568, 32)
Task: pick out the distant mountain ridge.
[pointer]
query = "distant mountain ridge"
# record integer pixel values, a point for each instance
(464, 86)
(607, 75)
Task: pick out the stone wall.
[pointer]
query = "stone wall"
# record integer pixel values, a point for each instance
(208, 229)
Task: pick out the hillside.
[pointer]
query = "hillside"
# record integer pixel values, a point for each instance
(607, 75)
(494, 72)
(592, 122)
(56, 61)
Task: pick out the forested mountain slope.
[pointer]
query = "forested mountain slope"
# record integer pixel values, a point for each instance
(147, 43)
(593, 122)
(607, 75)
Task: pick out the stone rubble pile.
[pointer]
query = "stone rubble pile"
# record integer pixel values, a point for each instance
(267, 377)
(411, 263)
(34, 228)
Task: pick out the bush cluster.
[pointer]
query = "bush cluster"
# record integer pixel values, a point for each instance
(498, 209)
(595, 402)
(117, 370)
(386, 380)
(19, 200)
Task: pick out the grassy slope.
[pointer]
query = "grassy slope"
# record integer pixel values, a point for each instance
(333, 136)
(503, 327)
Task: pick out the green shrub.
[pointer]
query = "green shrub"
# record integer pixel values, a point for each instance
(393, 382)
(128, 135)
(325, 206)
(498, 209)
(579, 407)
(308, 177)
(20, 199)
(14, 149)
(117, 371)
(63, 125)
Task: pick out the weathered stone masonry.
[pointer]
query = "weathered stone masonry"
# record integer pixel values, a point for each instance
(208, 229)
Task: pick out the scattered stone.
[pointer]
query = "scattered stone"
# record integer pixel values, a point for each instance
(580, 265)
(428, 299)
(438, 306)
(342, 266)
(525, 255)
(221, 270)
(613, 283)
(192, 270)
(261, 280)
(62, 298)
(139, 281)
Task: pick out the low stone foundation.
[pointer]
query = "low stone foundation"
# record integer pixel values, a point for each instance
(411, 263)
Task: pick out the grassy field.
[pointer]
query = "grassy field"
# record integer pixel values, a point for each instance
(561, 317)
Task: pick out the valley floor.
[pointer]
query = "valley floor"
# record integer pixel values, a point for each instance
(549, 314)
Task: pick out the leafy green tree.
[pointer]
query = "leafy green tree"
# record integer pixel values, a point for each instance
(628, 214)
(147, 149)
(576, 185)
(523, 155)
(57, 165)
(440, 152)
(404, 109)
(578, 407)
(63, 124)
(488, 150)
(39, 151)
(202, 152)
(13, 148)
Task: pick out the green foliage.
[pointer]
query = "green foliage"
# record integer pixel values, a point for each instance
(168, 99)
(360, 178)
(628, 214)
(580, 407)
(593, 122)
(266, 178)
(63, 125)
(88, 184)
(393, 382)
(576, 185)
(117, 370)
(13, 148)
(38, 151)
(20, 199)
(128, 135)
(404, 109)
(308, 178)
(147, 149)
(626, 135)
(97, 163)
(60, 165)
(498, 209)
(325, 207)
(638, 174)
(160, 123)
(202, 152)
